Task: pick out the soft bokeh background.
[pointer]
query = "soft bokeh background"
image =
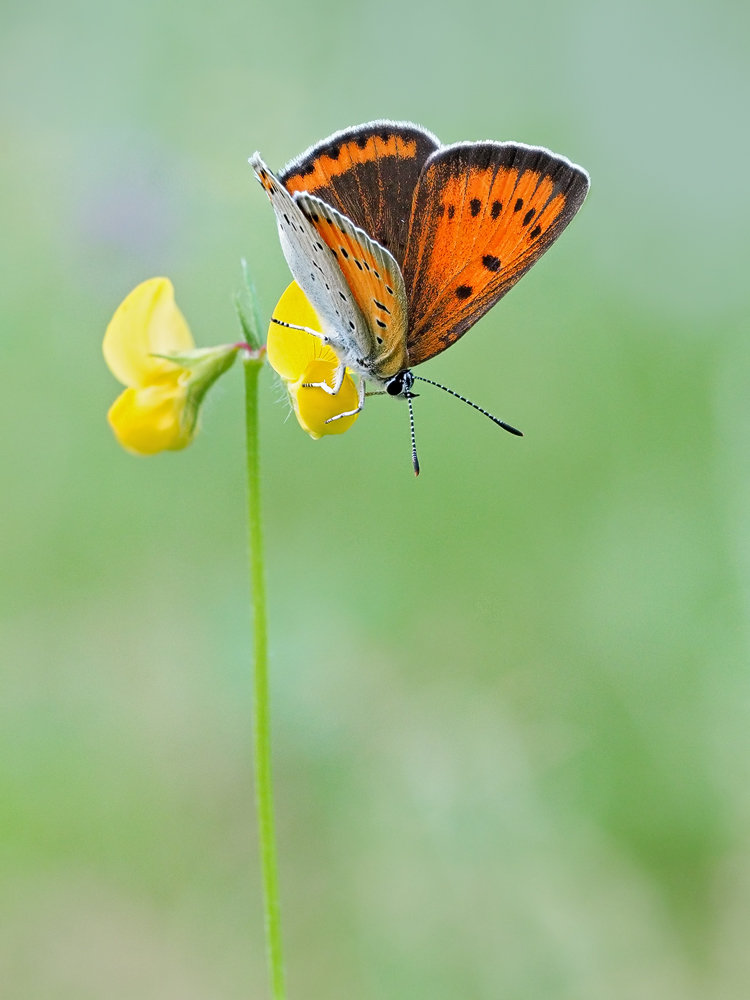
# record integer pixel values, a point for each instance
(511, 699)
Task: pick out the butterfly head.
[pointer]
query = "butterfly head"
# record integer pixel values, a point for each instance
(400, 384)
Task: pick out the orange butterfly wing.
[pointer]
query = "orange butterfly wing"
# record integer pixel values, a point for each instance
(484, 212)
(368, 173)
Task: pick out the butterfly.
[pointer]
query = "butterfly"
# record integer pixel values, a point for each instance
(401, 243)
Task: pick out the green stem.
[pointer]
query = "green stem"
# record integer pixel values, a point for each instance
(262, 719)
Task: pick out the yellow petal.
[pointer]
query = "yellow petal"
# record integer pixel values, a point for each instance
(148, 322)
(150, 420)
(314, 406)
(291, 351)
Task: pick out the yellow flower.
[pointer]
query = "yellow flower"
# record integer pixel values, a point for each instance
(159, 409)
(299, 357)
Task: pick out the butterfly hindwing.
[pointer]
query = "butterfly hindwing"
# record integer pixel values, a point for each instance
(483, 213)
(368, 173)
(315, 270)
(374, 278)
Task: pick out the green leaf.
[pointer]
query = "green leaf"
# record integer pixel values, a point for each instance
(248, 312)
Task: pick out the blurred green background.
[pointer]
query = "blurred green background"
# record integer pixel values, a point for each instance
(511, 699)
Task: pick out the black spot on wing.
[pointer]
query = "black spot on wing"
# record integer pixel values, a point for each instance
(491, 263)
(464, 291)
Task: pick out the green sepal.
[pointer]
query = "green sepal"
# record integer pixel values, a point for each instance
(202, 367)
(209, 367)
(201, 358)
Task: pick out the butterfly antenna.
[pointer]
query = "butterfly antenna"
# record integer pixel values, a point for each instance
(496, 420)
(414, 459)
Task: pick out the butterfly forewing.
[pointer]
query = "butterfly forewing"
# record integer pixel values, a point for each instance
(369, 174)
(315, 270)
(375, 281)
(483, 214)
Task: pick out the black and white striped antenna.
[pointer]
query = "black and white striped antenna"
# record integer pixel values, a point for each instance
(500, 423)
(414, 459)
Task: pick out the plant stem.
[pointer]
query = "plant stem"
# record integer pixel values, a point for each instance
(261, 707)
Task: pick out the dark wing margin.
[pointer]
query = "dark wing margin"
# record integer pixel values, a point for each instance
(368, 173)
(484, 213)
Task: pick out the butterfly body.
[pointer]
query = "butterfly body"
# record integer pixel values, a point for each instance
(401, 243)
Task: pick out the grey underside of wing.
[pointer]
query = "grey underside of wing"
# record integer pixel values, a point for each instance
(315, 270)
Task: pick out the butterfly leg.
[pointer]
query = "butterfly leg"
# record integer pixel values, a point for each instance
(338, 381)
(360, 403)
(305, 329)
